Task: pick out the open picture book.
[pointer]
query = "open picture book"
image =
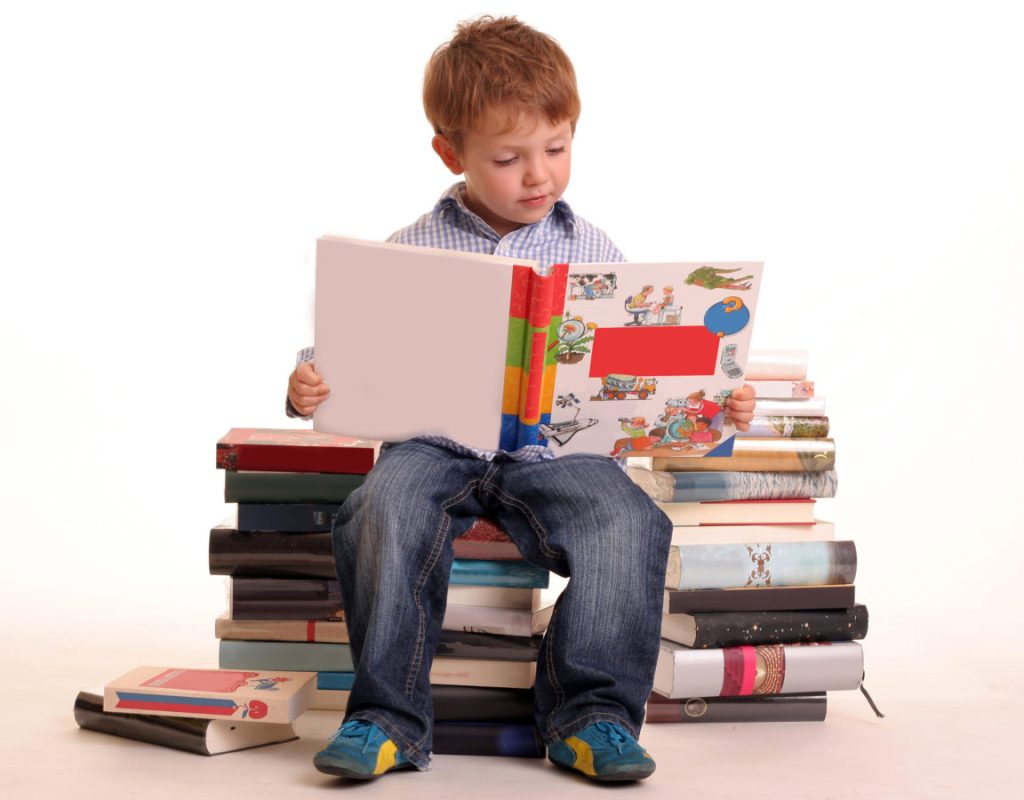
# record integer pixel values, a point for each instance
(619, 359)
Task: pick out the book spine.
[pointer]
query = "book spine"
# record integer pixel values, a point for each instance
(515, 349)
(276, 630)
(487, 647)
(286, 656)
(508, 739)
(500, 621)
(712, 486)
(788, 427)
(776, 365)
(520, 574)
(546, 294)
(271, 554)
(480, 704)
(733, 566)
(732, 629)
(762, 455)
(285, 598)
(335, 680)
(790, 407)
(809, 707)
(289, 487)
(771, 598)
(287, 517)
(292, 458)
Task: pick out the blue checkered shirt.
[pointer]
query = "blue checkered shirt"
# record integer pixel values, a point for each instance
(561, 237)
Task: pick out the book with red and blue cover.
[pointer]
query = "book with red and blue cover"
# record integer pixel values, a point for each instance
(498, 353)
(253, 695)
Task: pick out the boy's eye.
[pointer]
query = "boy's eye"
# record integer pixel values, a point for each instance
(554, 151)
(505, 162)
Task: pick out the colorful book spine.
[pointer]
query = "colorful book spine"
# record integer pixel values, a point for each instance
(295, 656)
(520, 574)
(485, 540)
(733, 566)
(788, 427)
(764, 669)
(809, 707)
(289, 487)
(692, 487)
(762, 455)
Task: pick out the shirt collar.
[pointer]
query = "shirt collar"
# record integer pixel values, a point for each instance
(453, 201)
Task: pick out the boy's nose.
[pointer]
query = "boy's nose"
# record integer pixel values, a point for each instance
(536, 172)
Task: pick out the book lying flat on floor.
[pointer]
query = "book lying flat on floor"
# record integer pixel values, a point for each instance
(508, 739)
(264, 696)
(207, 737)
(498, 353)
(809, 707)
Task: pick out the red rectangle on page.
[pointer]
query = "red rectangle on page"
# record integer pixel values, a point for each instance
(654, 351)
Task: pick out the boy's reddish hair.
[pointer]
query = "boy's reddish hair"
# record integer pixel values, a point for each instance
(497, 65)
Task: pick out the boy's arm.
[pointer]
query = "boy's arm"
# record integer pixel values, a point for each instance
(740, 407)
(306, 389)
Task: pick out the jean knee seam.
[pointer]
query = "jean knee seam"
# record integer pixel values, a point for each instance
(519, 505)
(551, 671)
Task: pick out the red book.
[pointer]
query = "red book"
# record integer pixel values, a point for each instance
(486, 541)
(277, 450)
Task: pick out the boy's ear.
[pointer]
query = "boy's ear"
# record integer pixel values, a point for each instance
(447, 153)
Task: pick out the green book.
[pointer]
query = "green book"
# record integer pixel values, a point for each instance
(289, 487)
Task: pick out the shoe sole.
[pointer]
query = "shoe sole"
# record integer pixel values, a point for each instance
(341, 772)
(636, 775)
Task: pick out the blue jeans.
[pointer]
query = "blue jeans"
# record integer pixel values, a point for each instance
(579, 516)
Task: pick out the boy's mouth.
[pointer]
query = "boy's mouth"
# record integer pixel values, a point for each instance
(533, 202)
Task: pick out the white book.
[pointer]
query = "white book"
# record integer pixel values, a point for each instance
(499, 596)
(483, 672)
(789, 407)
(330, 699)
(501, 621)
(740, 512)
(819, 531)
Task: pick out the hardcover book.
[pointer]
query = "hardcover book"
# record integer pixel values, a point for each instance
(597, 358)
(734, 628)
(287, 517)
(487, 646)
(508, 739)
(791, 427)
(782, 389)
(281, 630)
(270, 554)
(481, 704)
(809, 707)
(761, 455)
(819, 531)
(289, 487)
(486, 540)
(496, 596)
(735, 566)
(254, 695)
(501, 621)
(689, 487)
(796, 511)
(296, 656)
(285, 598)
(764, 669)
(475, 572)
(790, 407)
(759, 598)
(206, 737)
(330, 699)
(777, 365)
(299, 450)
(483, 672)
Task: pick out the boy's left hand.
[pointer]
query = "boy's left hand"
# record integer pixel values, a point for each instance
(740, 407)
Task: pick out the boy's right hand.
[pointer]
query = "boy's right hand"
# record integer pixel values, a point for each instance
(306, 389)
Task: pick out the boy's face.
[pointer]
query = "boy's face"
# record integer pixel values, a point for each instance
(514, 177)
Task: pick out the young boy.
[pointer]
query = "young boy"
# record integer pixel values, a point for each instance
(503, 103)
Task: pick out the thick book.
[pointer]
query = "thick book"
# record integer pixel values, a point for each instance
(496, 596)
(330, 699)
(295, 656)
(796, 511)
(206, 737)
(483, 672)
(481, 704)
(808, 707)
(254, 695)
(737, 566)
(487, 646)
(476, 572)
(286, 517)
(787, 427)
(694, 487)
(758, 598)
(818, 531)
(761, 669)
(285, 598)
(777, 365)
(270, 554)
(486, 540)
(281, 630)
(734, 628)
(502, 621)
(299, 450)
(782, 389)
(759, 455)
(789, 407)
(289, 487)
(507, 739)
(339, 681)
(648, 356)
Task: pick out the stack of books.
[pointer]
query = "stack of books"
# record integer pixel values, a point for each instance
(285, 607)
(284, 602)
(760, 619)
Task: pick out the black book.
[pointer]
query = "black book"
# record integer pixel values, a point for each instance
(510, 739)
(481, 704)
(759, 598)
(270, 554)
(489, 646)
(808, 707)
(734, 628)
(207, 737)
(285, 598)
(287, 517)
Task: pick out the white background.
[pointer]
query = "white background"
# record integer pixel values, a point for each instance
(166, 168)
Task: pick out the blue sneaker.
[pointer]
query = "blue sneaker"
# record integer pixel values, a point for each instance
(603, 752)
(360, 750)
